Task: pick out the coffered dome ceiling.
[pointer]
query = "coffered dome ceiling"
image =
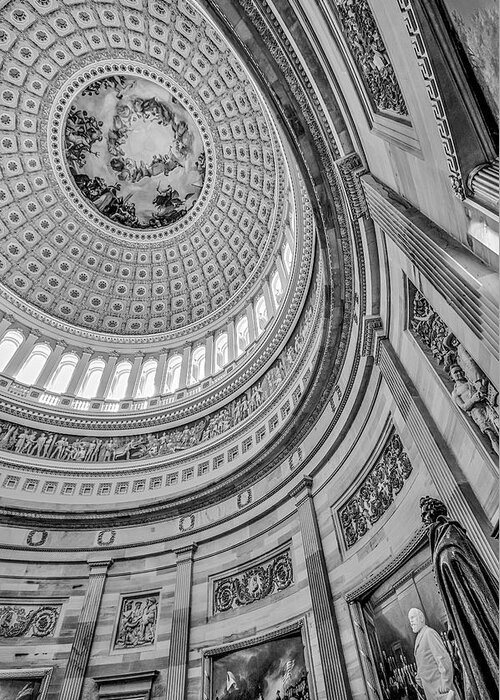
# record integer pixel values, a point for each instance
(144, 184)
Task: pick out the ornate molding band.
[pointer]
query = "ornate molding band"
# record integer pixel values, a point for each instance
(253, 584)
(377, 492)
(431, 84)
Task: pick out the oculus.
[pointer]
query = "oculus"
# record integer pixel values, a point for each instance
(134, 151)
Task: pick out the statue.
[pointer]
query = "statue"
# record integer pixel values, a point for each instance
(434, 664)
(470, 597)
(473, 401)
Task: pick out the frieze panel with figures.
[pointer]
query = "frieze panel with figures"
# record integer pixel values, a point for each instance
(369, 52)
(378, 490)
(253, 584)
(471, 390)
(49, 445)
(137, 621)
(25, 620)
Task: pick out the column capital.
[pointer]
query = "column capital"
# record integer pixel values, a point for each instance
(99, 566)
(302, 489)
(185, 553)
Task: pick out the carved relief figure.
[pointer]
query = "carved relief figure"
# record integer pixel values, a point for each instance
(137, 623)
(472, 391)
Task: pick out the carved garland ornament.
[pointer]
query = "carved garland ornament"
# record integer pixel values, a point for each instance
(253, 584)
(28, 620)
(376, 493)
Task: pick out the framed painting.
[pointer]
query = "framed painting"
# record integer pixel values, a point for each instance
(269, 667)
(24, 683)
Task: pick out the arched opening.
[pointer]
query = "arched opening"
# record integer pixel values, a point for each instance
(10, 343)
(119, 382)
(30, 370)
(92, 379)
(242, 335)
(197, 373)
(261, 315)
(276, 287)
(173, 376)
(60, 380)
(221, 351)
(146, 386)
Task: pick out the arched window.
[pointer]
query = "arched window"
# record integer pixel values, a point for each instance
(276, 287)
(173, 376)
(30, 370)
(261, 314)
(242, 335)
(10, 343)
(118, 387)
(287, 256)
(59, 381)
(221, 351)
(92, 379)
(146, 386)
(197, 365)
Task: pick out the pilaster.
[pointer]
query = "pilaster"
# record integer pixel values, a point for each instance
(330, 648)
(82, 642)
(179, 636)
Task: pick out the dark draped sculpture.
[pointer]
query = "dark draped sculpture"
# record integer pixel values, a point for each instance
(470, 596)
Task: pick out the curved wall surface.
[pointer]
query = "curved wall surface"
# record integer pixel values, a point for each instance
(282, 551)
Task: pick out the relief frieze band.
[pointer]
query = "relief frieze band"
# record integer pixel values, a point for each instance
(63, 447)
(25, 620)
(254, 583)
(376, 493)
(471, 390)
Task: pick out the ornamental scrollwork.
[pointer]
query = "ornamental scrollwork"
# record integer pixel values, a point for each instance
(253, 584)
(137, 621)
(376, 493)
(368, 49)
(28, 620)
(472, 392)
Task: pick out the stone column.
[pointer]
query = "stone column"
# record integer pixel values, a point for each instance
(185, 368)
(134, 376)
(21, 355)
(330, 648)
(5, 324)
(82, 642)
(252, 332)
(179, 635)
(106, 376)
(50, 365)
(209, 356)
(232, 347)
(79, 372)
(161, 371)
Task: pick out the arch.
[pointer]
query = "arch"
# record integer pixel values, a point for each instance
(34, 363)
(60, 379)
(92, 379)
(173, 375)
(221, 351)
(242, 335)
(9, 344)
(261, 315)
(118, 387)
(197, 373)
(276, 287)
(146, 386)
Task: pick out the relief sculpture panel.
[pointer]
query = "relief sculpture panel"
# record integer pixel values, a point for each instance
(18, 620)
(253, 584)
(471, 390)
(137, 621)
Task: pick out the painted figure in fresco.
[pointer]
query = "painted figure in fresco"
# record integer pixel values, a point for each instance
(434, 664)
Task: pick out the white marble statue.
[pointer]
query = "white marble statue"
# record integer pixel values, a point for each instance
(434, 664)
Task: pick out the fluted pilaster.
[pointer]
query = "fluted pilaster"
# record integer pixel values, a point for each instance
(179, 636)
(330, 649)
(80, 651)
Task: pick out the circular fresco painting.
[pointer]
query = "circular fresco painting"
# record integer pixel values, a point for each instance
(134, 151)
